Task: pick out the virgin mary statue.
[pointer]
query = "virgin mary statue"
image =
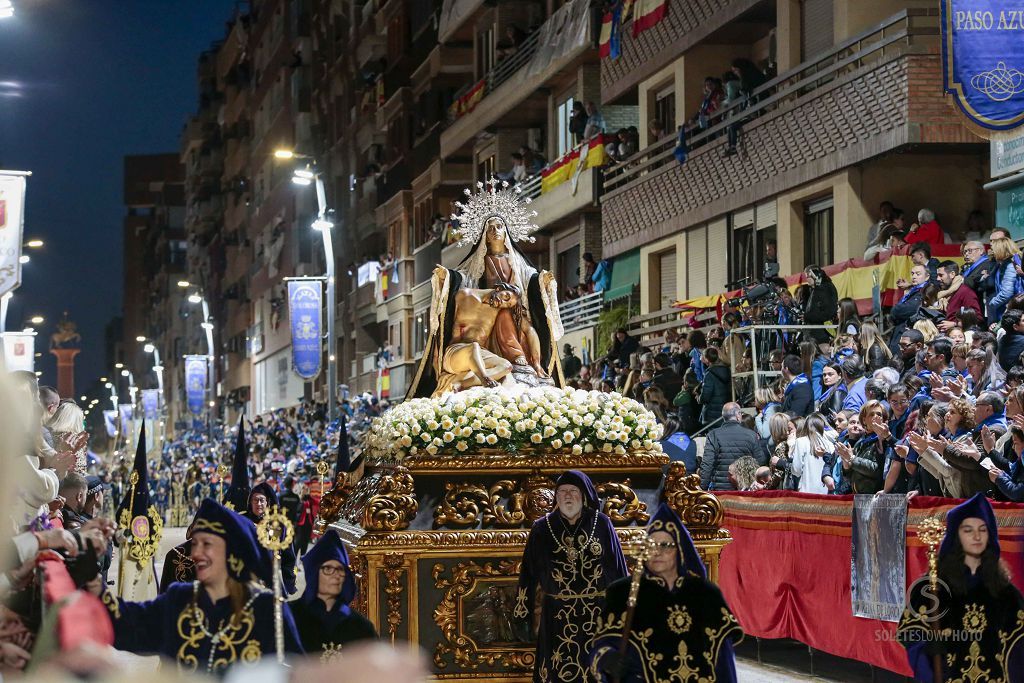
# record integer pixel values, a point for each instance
(494, 318)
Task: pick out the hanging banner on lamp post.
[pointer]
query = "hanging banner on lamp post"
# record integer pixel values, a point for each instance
(110, 422)
(195, 382)
(150, 403)
(305, 307)
(19, 351)
(983, 61)
(12, 221)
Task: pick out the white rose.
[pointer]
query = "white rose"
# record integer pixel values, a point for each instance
(548, 431)
(577, 449)
(480, 438)
(432, 449)
(620, 450)
(432, 424)
(535, 438)
(491, 439)
(568, 437)
(557, 443)
(607, 448)
(461, 446)
(589, 448)
(448, 437)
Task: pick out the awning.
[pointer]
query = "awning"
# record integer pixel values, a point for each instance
(625, 275)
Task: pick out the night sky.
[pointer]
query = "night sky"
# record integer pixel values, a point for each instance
(84, 83)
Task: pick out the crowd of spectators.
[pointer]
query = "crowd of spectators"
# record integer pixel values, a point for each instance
(929, 400)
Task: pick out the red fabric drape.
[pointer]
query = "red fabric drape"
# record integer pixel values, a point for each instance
(786, 573)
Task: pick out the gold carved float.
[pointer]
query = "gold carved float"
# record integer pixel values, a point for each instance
(436, 543)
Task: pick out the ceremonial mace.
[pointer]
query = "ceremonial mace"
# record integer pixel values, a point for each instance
(222, 471)
(275, 533)
(931, 532)
(133, 479)
(321, 468)
(634, 589)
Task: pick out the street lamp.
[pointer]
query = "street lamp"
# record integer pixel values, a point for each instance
(34, 244)
(198, 298)
(307, 176)
(36, 320)
(23, 259)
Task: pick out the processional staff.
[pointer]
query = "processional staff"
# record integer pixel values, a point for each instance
(646, 546)
(275, 533)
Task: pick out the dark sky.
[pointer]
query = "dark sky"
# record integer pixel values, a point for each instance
(82, 84)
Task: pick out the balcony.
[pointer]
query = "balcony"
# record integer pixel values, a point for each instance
(513, 91)
(564, 200)
(455, 22)
(872, 94)
(443, 59)
(685, 25)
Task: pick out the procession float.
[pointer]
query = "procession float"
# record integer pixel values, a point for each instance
(455, 475)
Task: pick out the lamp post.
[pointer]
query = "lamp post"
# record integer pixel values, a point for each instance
(307, 176)
(207, 326)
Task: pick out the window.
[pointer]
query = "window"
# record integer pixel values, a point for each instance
(420, 329)
(818, 236)
(665, 262)
(569, 272)
(563, 136)
(665, 107)
(486, 168)
(742, 254)
(485, 52)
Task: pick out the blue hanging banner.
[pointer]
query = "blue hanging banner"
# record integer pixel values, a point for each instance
(983, 60)
(195, 382)
(150, 403)
(305, 301)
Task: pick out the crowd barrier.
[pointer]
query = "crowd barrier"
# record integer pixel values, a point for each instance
(786, 573)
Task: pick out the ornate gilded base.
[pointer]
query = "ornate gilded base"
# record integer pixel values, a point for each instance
(437, 543)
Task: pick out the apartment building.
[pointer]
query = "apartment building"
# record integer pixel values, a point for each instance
(154, 261)
(852, 114)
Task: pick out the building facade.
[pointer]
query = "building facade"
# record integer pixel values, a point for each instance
(399, 105)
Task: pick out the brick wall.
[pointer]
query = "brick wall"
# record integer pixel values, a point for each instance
(620, 116)
(685, 25)
(873, 111)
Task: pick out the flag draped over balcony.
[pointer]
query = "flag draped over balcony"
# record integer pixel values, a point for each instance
(647, 13)
(611, 24)
(566, 167)
(468, 101)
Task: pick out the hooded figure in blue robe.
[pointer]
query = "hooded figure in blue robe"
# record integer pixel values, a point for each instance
(323, 614)
(573, 554)
(288, 554)
(682, 628)
(224, 617)
(971, 627)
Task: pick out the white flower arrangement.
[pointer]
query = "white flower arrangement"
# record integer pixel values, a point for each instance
(570, 420)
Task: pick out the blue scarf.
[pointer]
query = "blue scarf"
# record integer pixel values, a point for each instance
(831, 390)
(795, 382)
(974, 265)
(912, 291)
(768, 405)
(993, 420)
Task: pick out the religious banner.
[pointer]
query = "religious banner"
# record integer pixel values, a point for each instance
(305, 299)
(879, 547)
(150, 403)
(12, 214)
(195, 382)
(110, 422)
(19, 351)
(983, 60)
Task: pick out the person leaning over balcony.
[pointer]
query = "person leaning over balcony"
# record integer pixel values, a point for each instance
(601, 278)
(926, 229)
(595, 122)
(885, 210)
(751, 78)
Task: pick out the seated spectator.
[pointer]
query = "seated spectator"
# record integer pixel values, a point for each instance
(518, 172)
(834, 391)
(595, 122)
(921, 255)
(853, 378)
(799, 396)
(908, 308)
(533, 160)
(1011, 484)
(730, 89)
(874, 349)
(1011, 344)
(623, 345)
(926, 229)
(955, 296)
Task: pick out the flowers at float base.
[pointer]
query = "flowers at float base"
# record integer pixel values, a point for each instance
(555, 420)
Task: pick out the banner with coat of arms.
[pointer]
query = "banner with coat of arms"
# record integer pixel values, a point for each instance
(983, 60)
(12, 221)
(305, 306)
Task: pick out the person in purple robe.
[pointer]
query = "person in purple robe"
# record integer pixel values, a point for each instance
(573, 554)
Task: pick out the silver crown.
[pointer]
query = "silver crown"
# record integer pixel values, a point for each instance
(494, 199)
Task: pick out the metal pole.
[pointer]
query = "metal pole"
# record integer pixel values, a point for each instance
(208, 328)
(332, 340)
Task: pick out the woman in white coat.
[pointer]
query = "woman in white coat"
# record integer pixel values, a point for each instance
(808, 454)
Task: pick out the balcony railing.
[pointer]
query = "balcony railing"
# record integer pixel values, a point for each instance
(895, 35)
(499, 73)
(582, 312)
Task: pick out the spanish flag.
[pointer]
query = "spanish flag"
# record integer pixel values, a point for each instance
(609, 45)
(647, 13)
